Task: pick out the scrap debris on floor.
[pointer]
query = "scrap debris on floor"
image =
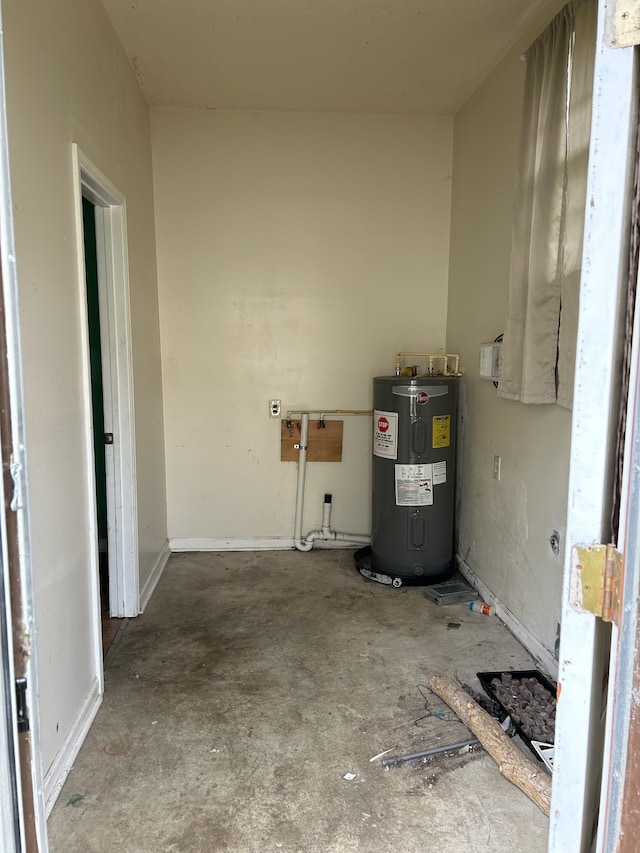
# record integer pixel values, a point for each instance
(529, 700)
(245, 706)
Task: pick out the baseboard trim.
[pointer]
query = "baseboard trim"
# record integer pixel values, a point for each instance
(56, 775)
(258, 543)
(155, 575)
(532, 644)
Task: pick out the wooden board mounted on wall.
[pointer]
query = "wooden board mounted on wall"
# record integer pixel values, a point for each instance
(324, 444)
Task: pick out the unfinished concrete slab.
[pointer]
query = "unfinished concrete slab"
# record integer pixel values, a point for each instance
(254, 682)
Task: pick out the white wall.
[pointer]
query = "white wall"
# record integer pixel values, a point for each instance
(69, 81)
(504, 527)
(297, 253)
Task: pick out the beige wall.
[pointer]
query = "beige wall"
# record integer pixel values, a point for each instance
(296, 254)
(504, 527)
(69, 81)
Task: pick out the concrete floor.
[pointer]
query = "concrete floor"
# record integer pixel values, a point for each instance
(253, 682)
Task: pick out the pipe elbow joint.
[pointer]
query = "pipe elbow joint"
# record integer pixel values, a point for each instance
(306, 544)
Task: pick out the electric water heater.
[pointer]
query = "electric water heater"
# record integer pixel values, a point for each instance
(414, 451)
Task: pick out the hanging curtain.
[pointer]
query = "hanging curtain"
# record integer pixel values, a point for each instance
(579, 132)
(538, 353)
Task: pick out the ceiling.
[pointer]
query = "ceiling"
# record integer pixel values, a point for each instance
(356, 56)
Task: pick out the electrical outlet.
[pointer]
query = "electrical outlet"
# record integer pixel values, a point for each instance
(497, 467)
(274, 408)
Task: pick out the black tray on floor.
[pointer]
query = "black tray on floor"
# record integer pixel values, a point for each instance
(485, 679)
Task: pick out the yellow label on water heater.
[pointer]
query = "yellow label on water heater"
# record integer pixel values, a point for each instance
(441, 430)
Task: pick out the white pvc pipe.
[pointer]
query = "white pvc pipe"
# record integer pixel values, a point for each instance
(326, 534)
(356, 538)
(331, 536)
(302, 468)
(326, 514)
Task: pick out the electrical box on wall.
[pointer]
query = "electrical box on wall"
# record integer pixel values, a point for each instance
(490, 360)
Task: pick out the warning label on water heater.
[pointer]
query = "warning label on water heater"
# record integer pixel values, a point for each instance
(439, 473)
(441, 431)
(414, 485)
(385, 434)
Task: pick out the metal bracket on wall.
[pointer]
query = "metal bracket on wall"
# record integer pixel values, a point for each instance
(596, 577)
(622, 23)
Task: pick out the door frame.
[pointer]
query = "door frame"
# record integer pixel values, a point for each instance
(117, 368)
(23, 812)
(11, 810)
(585, 641)
(622, 696)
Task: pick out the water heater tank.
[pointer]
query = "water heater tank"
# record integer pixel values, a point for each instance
(414, 451)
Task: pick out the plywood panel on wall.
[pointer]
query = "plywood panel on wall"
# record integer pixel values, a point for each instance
(324, 441)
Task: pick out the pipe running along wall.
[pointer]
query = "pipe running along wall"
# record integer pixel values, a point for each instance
(325, 534)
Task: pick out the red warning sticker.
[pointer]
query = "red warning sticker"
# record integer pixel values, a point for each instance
(385, 434)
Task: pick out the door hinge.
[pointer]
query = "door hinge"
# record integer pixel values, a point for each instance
(21, 705)
(597, 573)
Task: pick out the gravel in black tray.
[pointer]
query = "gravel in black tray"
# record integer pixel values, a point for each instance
(528, 698)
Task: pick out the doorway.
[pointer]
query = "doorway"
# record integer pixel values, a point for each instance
(110, 625)
(112, 492)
